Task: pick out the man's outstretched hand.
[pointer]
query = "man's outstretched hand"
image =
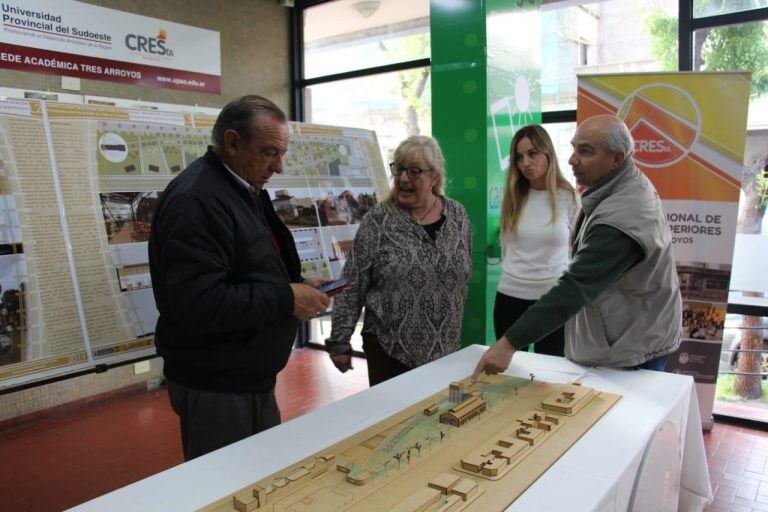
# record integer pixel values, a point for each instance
(495, 360)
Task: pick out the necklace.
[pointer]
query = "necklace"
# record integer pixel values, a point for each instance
(418, 221)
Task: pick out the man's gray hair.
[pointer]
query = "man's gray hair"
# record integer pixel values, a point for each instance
(619, 139)
(239, 115)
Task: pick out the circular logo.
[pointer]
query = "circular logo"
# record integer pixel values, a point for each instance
(665, 123)
(113, 147)
(522, 93)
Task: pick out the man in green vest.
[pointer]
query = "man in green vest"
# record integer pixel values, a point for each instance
(620, 297)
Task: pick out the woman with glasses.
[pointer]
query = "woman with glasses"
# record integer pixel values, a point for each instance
(409, 267)
(537, 211)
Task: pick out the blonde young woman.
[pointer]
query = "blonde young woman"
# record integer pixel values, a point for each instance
(409, 267)
(537, 211)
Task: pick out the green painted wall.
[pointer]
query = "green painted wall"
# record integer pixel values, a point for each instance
(486, 67)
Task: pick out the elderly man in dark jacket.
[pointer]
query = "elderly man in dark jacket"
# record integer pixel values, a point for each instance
(227, 281)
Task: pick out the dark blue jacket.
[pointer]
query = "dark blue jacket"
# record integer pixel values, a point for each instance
(220, 284)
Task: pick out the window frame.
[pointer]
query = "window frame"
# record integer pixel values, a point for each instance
(687, 24)
(299, 82)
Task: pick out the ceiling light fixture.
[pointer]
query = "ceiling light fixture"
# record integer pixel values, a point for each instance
(366, 8)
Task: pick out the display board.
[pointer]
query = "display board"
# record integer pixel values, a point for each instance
(473, 447)
(78, 187)
(692, 150)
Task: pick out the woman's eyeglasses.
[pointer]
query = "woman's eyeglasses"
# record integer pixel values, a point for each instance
(413, 172)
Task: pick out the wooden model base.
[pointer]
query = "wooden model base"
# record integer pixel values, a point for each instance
(476, 448)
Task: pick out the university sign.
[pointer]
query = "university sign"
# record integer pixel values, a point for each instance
(65, 37)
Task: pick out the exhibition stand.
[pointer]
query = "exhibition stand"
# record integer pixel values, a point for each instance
(600, 472)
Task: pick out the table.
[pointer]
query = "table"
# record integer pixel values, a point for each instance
(598, 472)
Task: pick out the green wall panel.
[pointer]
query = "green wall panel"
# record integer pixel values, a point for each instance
(486, 69)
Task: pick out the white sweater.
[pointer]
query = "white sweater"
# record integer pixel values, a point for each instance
(535, 257)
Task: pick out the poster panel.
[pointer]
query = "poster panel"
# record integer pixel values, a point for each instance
(343, 177)
(40, 324)
(113, 165)
(78, 187)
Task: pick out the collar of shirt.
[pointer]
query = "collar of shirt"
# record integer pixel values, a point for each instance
(250, 188)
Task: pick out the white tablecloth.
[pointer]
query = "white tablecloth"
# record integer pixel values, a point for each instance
(597, 473)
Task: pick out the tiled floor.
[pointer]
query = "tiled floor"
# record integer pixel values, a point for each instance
(737, 468)
(71, 455)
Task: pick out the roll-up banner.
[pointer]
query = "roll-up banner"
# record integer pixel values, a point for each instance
(689, 131)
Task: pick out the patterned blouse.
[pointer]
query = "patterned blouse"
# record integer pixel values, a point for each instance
(413, 288)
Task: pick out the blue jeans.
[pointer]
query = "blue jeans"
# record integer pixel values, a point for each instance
(659, 364)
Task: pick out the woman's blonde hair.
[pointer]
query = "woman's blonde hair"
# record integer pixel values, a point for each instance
(517, 186)
(418, 147)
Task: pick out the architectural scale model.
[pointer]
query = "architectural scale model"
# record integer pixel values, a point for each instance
(475, 448)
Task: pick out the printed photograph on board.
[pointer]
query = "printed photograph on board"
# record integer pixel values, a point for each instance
(295, 207)
(339, 206)
(704, 281)
(308, 244)
(337, 244)
(13, 328)
(703, 320)
(128, 215)
(13, 283)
